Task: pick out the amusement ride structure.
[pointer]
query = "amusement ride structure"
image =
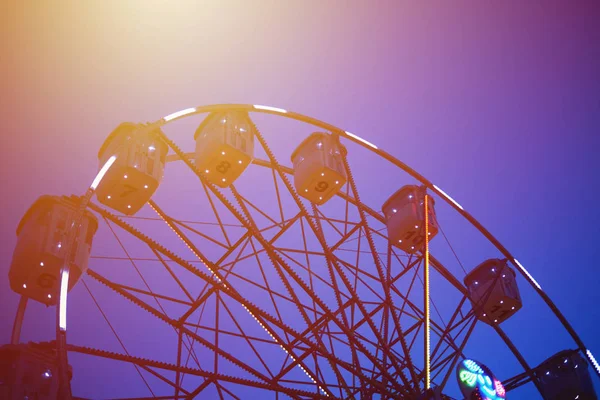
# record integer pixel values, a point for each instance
(295, 283)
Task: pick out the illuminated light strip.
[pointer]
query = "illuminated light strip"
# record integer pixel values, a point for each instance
(64, 287)
(188, 246)
(243, 305)
(590, 357)
(527, 273)
(427, 305)
(267, 108)
(179, 114)
(448, 197)
(103, 172)
(352, 135)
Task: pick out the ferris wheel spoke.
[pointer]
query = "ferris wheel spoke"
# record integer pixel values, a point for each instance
(154, 245)
(270, 291)
(211, 376)
(133, 263)
(358, 302)
(218, 386)
(207, 290)
(338, 297)
(201, 387)
(221, 387)
(247, 338)
(223, 332)
(191, 354)
(261, 212)
(130, 289)
(172, 274)
(448, 362)
(152, 294)
(114, 332)
(278, 196)
(450, 326)
(356, 273)
(458, 353)
(287, 224)
(418, 317)
(216, 214)
(239, 245)
(319, 216)
(279, 266)
(360, 276)
(449, 340)
(203, 235)
(162, 378)
(275, 294)
(310, 272)
(347, 236)
(410, 265)
(175, 325)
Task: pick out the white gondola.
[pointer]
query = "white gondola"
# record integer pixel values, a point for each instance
(319, 171)
(41, 246)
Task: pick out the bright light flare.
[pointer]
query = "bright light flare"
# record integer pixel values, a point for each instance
(103, 172)
(590, 357)
(179, 114)
(64, 287)
(446, 195)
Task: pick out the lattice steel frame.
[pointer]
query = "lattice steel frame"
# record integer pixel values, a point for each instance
(387, 372)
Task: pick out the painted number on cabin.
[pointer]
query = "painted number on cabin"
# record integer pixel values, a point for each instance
(223, 167)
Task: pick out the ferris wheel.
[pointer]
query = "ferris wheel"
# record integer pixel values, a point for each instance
(298, 260)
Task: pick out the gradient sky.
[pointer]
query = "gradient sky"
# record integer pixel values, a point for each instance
(498, 105)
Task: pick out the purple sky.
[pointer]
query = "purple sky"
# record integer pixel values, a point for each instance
(499, 106)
